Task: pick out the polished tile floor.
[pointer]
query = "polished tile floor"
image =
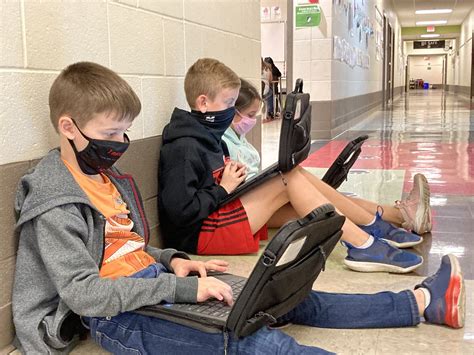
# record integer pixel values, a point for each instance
(429, 132)
(425, 132)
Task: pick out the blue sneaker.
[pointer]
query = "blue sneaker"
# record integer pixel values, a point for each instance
(448, 297)
(397, 237)
(381, 257)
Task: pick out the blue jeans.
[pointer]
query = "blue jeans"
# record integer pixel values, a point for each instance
(270, 106)
(131, 333)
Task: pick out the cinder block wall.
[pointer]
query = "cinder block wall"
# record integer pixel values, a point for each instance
(150, 43)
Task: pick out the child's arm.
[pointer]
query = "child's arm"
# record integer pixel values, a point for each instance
(181, 197)
(164, 256)
(75, 274)
(208, 287)
(182, 267)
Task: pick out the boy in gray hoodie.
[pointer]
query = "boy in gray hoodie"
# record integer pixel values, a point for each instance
(84, 260)
(83, 228)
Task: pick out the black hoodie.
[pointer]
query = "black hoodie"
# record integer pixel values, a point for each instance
(191, 160)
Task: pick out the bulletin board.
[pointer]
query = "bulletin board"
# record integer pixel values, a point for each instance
(273, 40)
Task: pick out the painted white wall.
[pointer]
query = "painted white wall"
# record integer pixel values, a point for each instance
(463, 60)
(428, 68)
(150, 43)
(331, 79)
(312, 55)
(275, 41)
(453, 63)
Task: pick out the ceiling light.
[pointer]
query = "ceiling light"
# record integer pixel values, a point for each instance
(434, 11)
(425, 23)
(433, 35)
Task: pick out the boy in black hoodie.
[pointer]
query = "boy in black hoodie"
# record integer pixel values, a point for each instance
(195, 172)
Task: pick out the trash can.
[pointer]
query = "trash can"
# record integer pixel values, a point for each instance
(426, 86)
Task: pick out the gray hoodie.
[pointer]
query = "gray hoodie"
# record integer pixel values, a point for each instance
(60, 252)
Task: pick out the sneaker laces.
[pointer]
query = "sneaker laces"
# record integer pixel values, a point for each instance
(377, 231)
(401, 206)
(427, 281)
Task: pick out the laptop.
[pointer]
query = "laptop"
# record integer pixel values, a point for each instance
(339, 169)
(282, 278)
(295, 141)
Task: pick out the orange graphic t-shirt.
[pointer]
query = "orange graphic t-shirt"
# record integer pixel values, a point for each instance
(124, 252)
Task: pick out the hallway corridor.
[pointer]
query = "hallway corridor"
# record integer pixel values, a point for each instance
(430, 132)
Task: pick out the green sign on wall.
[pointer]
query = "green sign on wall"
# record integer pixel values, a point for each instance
(308, 16)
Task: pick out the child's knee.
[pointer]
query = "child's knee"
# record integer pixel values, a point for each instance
(293, 174)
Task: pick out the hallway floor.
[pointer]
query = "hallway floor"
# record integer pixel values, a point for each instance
(428, 132)
(425, 132)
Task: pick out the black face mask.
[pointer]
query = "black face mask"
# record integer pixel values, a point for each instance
(216, 121)
(99, 155)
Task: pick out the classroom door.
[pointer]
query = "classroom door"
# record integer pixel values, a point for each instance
(388, 69)
(472, 68)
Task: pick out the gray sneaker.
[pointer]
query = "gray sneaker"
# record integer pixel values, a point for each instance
(415, 208)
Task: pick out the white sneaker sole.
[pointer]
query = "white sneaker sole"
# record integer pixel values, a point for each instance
(423, 212)
(403, 245)
(363, 266)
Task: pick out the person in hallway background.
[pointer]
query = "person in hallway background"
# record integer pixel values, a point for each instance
(273, 111)
(266, 81)
(195, 174)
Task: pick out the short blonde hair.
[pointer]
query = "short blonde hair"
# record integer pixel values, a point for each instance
(84, 89)
(208, 77)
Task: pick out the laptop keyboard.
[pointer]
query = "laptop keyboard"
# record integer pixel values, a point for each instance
(214, 307)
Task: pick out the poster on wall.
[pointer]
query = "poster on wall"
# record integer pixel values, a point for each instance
(276, 13)
(265, 13)
(353, 52)
(307, 16)
(273, 40)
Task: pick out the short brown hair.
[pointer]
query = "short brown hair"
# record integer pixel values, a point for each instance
(208, 77)
(84, 89)
(247, 95)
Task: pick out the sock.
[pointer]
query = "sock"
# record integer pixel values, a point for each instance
(373, 221)
(427, 294)
(367, 244)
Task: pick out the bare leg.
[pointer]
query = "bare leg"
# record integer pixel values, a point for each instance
(351, 232)
(262, 203)
(390, 213)
(345, 205)
(283, 215)
(352, 207)
(420, 300)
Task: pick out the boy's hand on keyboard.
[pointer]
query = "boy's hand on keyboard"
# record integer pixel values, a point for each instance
(233, 175)
(210, 287)
(182, 267)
